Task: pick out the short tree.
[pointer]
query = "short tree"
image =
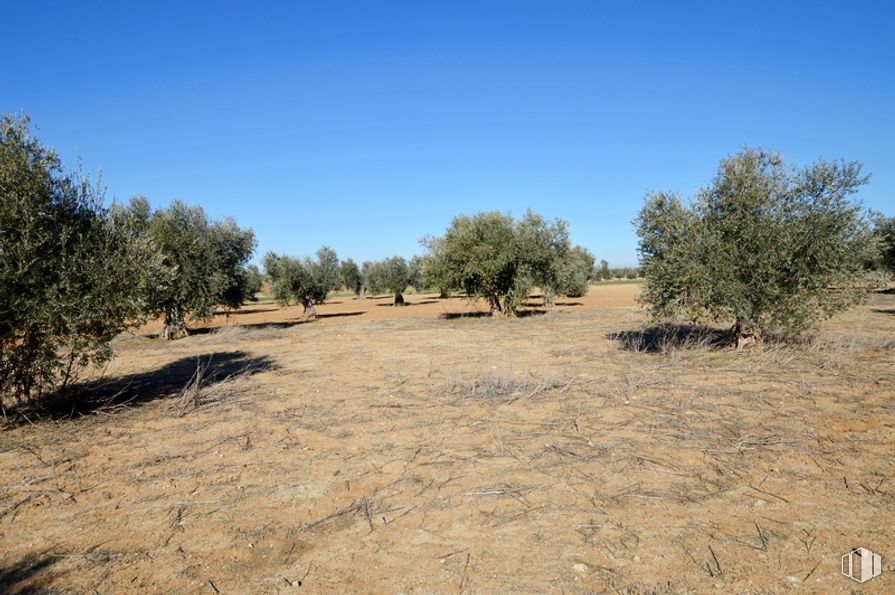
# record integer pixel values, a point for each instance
(202, 262)
(391, 275)
(71, 277)
(766, 246)
(575, 272)
(480, 255)
(604, 273)
(351, 277)
(306, 282)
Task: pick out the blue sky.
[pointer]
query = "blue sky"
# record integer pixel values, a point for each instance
(366, 126)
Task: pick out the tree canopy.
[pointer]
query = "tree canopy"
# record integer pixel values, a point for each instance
(202, 262)
(490, 255)
(304, 281)
(71, 277)
(766, 246)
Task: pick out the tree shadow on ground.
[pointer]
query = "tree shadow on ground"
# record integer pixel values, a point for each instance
(479, 314)
(242, 312)
(883, 310)
(20, 577)
(660, 338)
(208, 330)
(406, 304)
(110, 394)
(888, 291)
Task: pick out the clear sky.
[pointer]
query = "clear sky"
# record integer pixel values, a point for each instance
(365, 126)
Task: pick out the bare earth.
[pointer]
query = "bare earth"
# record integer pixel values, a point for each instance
(386, 449)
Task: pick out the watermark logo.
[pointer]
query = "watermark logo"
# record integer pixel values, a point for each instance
(861, 564)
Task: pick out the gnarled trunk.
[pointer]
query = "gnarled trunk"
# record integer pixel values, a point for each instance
(549, 298)
(399, 299)
(494, 302)
(443, 294)
(309, 313)
(175, 327)
(746, 334)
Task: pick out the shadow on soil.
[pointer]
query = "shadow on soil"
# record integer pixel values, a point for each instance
(883, 310)
(19, 577)
(406, 304)
(660, 338)
(520, 314)
(228, 313)
(142, 387)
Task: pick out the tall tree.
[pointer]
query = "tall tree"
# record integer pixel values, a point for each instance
(765, 246)
(70, 276)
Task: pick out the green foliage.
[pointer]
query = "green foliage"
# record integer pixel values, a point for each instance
(575, 272)
(70, 276)
(478, 255)
(391, 275)
(351, 277)
(494, 257)
(415, 273)
(253, 281)
(884, 233)
(202, 262)
(306, 282)
(544, 250)
(604, 273)
(624, 273)
(766, 246)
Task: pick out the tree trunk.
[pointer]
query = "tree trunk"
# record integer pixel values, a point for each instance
(175, 327)
(496, 308)
(309, 313)
(549, 299)
(746, 335)
(443, 294)
(399, 299)
(362, 294)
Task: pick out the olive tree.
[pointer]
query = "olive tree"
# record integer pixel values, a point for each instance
(351, 277)
(202, 262)
(765, 247)
(415, 273)
(391, 275)
(306, 281)
(543, 250)
(71, 277)
(884, 232)
(253, 281)
(575, 272)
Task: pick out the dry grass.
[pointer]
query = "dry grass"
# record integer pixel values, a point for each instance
(564, 453)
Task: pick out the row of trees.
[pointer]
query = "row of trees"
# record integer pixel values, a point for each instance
(766, 246)
(74, 274)
(488, 255)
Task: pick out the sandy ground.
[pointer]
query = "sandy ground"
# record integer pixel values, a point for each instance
(414, 451)
(345, 308)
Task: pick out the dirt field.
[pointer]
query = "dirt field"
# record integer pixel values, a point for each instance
(415, 450)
